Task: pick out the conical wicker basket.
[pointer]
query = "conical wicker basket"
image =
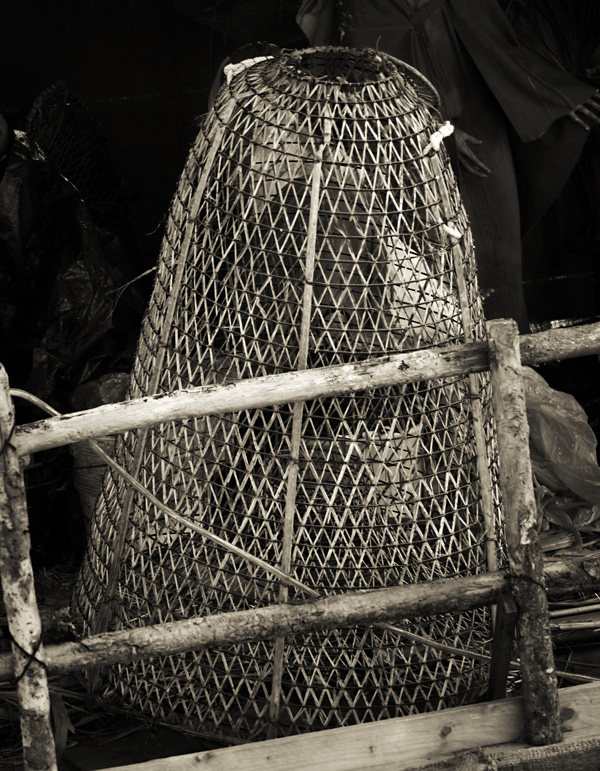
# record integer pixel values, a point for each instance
(316, 222)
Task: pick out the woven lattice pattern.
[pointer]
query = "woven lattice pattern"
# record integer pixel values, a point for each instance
(313, 225)
(73, 142)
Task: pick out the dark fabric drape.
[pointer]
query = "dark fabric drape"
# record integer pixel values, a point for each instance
(494, 89)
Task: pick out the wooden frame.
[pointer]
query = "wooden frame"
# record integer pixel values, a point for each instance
(540, 707)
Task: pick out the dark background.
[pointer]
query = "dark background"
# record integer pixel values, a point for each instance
(144, 69)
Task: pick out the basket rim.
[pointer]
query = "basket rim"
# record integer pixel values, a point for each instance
(389, 67)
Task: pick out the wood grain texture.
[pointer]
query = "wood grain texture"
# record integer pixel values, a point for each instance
(396, 745)
(296, 386)
(454, 594)
(249, 394)
(521, 520)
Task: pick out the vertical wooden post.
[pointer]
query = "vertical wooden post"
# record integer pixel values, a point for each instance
(540, 693)
(19, 598)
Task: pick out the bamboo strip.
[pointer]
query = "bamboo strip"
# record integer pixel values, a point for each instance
(483, 464)
(574, 611)
(297, 417)
(20, 602)
(405, 601)
(574, 626)
(542, 723)
(290, 387)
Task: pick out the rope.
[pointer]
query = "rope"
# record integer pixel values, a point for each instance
(8, 439)
(436, 139)
(31, 657)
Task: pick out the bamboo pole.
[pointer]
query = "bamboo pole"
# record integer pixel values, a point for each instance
(455, 240)
(540, 692)
(483, 461)
(357, 608)
(22, 614)
(297, 419)
(575, 611)
(295, 386)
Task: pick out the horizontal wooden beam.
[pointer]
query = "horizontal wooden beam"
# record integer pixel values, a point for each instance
(295, 386)
(493, 729)
(558, 344)
(342, 610)
(250, 394)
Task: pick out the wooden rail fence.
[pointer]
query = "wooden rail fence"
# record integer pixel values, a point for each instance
(527, 576)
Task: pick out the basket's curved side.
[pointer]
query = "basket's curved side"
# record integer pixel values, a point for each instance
(478, 385)
(172, 265)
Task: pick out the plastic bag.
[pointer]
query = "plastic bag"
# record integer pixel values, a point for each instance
(562, 443)
(61, 319)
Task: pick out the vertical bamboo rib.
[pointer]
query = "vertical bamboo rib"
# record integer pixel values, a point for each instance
(292, 481)
(483, 466)
(190, 229)
(19, 599)
(540, 694)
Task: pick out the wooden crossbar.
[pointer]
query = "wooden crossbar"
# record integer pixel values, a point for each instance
(296, 386)
(562, 576)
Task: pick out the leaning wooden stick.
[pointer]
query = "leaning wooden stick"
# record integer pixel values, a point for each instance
(19, 599)
(542, 723)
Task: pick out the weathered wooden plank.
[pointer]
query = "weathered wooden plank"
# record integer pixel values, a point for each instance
(19, 600)
(410, 601)
(394, 745)
(521, 522)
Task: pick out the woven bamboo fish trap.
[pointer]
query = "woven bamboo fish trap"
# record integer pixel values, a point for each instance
(314, 224)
